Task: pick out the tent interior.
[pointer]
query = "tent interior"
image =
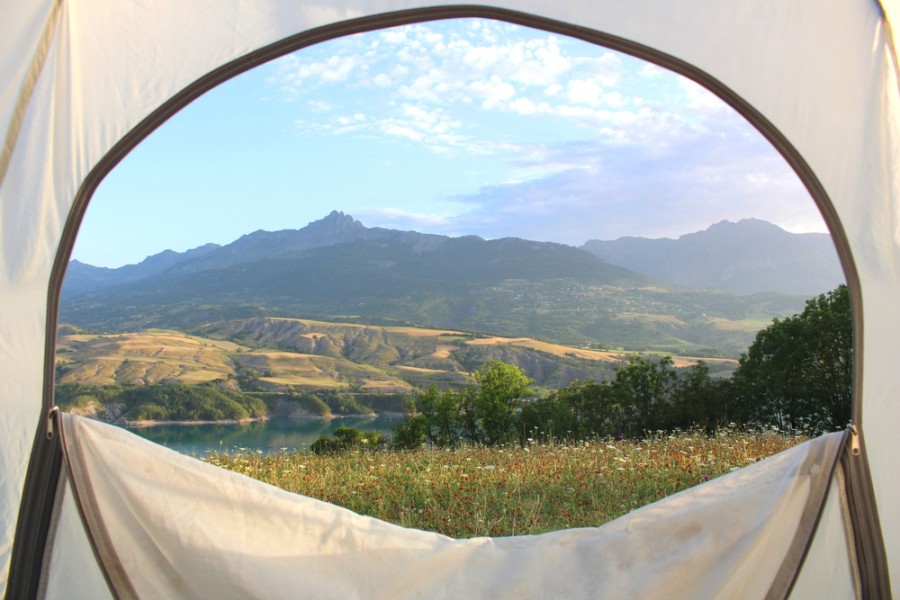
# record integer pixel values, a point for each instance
(90, 511)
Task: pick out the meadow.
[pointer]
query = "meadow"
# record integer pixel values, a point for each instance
(531, 489)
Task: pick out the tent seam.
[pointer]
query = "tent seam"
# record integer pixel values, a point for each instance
(793, 561)
(95, 528)
(32, 75)
(889, 35)
(849, 533)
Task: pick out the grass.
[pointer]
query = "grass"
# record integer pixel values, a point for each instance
(471, 492)
(550, 348)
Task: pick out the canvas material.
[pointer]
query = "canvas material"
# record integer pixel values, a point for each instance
(823, 73)
(827, 573)
(71, 571)
(181, 528)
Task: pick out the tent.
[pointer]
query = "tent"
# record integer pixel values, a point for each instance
(90, 511)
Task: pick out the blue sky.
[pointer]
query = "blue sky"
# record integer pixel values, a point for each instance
(455, 127)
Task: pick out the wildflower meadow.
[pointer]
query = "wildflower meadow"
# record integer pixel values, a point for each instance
(520, 489)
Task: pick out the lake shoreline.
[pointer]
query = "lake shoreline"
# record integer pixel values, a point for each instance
(142, 424)
(271, 435)
(150, 423)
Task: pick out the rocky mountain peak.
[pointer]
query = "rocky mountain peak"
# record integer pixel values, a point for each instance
(335, 227)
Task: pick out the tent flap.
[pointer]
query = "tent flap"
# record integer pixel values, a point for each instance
(168, 525)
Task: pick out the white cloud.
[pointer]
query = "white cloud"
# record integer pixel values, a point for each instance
(497, 68)
(553, 89)
(400, 129)
(524, 106)
(584, 91)
(614, 99)
(607, 69)
(319, 105)
(396, 218)
(651, 71)
(424, 84)
(493, 92)
(395, 36)
(603, 192)
(410, 123)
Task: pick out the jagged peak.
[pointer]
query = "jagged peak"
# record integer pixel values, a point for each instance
(336, 221)
(744, 224)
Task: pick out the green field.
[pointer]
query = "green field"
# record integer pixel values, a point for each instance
(534, 489)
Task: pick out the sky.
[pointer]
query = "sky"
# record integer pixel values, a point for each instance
(457, 127)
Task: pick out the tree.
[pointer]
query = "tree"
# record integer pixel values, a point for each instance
(486, 413)
(501, 389)
(698, 400)
(593, 408)
(643, 388)
(409, 434)
(469, 421)
(248, 379)
(798, 373)
(547, 419)
(441, 411)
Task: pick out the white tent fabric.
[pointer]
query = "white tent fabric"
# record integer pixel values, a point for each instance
(820, 79)
(72, 570)
(173, 527)
(833, 576)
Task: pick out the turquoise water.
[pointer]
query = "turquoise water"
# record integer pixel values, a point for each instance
(274, 435)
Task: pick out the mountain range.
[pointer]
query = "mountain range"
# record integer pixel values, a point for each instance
(338, 269)
(425, 253)
(746, 257)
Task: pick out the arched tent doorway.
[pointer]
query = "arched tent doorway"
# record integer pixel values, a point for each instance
(155, 62)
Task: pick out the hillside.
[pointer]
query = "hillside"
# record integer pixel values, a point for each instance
(750, 256)
(280, 355)
(336, 269)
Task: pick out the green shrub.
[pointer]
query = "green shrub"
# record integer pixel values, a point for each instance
(409, 434)
(347, 438)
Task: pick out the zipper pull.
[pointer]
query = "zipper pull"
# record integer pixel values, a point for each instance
(52, 415)
(855, 444)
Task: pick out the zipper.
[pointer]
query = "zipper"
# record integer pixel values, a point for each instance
(871, 558)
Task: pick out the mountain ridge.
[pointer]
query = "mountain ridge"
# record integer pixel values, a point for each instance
(747, 256)
(333, 229)
(338, 269)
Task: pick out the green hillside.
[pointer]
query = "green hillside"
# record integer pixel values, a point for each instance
(569, 312)
(291, 355)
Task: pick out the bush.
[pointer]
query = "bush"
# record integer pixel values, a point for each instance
(409, 434)
(345, 439)
(326, 445)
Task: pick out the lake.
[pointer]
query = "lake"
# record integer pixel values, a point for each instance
(274, 435)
